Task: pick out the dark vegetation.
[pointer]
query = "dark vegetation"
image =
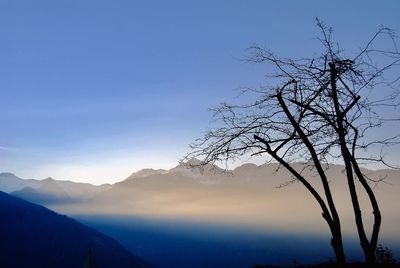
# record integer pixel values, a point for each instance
(335, 265)
(319, 110)
(383, 256)
(33, 236)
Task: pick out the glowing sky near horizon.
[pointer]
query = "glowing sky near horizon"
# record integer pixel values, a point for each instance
(94, 90)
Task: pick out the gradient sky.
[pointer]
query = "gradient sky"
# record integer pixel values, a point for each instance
(94, 90)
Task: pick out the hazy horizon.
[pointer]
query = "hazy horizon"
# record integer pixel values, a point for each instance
(249, 196)
(232, 166)
(157, 214)
(95, 90)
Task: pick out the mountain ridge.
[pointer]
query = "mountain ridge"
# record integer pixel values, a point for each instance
(34, 236)
(247, 193)
(192, 167)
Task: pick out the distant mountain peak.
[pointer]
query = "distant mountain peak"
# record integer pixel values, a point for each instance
(196, 165)
(200, 172)
(246, 167)
(9, 182)
(7, 174)
(146, 172)
(50, 185)
(192, 162)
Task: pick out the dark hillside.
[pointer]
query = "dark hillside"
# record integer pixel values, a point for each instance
(33, 236)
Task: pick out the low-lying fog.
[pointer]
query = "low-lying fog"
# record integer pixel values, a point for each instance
(185, 218)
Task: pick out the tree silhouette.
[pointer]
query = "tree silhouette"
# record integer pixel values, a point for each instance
(89, 260)
(324, 109)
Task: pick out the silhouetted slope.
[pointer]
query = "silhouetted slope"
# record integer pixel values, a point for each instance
(33, 236)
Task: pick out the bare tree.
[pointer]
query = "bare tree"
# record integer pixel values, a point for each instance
(324, 110)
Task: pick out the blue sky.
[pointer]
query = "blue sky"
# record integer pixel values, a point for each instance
(94, 90)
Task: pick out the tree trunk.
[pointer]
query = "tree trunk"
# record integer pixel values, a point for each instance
(365, 244)
(334, 222)
(337, 245)
(376, 211)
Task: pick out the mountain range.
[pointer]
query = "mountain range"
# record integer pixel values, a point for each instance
(49, 191)
(262, 196)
